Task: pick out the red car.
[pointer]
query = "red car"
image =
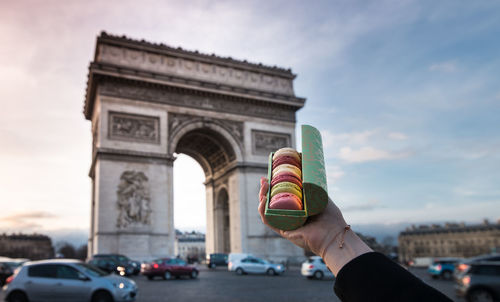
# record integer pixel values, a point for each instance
(168, 268)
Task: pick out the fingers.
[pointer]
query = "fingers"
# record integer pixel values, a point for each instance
(264, 186)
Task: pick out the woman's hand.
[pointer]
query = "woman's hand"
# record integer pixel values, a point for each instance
(317, 234)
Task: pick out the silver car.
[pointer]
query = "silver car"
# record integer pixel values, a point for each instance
(67, 280)
(254, 265)
(315, 268)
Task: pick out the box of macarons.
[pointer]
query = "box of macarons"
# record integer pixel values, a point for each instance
(298, 186)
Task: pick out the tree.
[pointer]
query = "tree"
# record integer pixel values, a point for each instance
(67, 250)
(81, 252)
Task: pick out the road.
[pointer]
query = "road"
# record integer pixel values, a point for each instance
(220, 285)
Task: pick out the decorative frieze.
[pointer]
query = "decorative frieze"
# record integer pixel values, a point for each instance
(202, 70)
(133, 199)
(164, 95)
(264, 142)
(133, 127)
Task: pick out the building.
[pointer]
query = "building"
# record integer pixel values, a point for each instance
(148, 102)
(33, 246)
(449, 240)
(190, 246)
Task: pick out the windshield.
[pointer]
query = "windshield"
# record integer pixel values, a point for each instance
(123, 258)
(91, 270)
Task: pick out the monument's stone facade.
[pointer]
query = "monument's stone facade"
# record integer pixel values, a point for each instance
(147, 102)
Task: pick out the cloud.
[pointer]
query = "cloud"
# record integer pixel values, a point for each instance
(25, 220)
(397, 136)
(349, 138)
(367, 206)
(334, 173)
(468, 212)
(444, 67)
(365, 154)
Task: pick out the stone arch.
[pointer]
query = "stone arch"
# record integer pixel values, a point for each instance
(210, 143)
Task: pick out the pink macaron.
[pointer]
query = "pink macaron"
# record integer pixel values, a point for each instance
(285, 159)
(285, 201)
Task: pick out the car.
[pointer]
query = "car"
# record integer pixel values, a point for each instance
(253, 265)
(167, 268)
(463, 265)
(480, 282)
(315, 267)
(5, 272)
(443, 267)
(233, 257)
(217, 259)
(107, 265)
(67, 280)
(122, 260)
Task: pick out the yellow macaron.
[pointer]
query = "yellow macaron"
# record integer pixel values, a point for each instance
(286, 187)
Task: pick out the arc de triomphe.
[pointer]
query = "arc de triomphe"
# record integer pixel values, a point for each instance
(148, 101)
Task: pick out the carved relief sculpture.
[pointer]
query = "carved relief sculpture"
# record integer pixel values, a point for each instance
(131, 127)
(133, 199)
(264, 142)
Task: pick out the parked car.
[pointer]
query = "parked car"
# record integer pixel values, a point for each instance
(255, 265)
(480, 282)
(315, 268)
(214, 260)
(13, 263)
(123, 261)
(137, 267)
(443, 267)
(463, 265)
(67, 280)
(233, 257)
(5, 272)
(168, 268)
(107, 265)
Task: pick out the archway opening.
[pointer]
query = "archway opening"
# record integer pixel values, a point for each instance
(215, 154)
(189, 209)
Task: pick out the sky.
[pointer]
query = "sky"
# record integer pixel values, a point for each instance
(405, 93)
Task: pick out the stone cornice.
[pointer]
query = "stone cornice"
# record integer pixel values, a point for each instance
(161, 48)
(130, 156)
(98, 72)
(149, 63)
(135, 89)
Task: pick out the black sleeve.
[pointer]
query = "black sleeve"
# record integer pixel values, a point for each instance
(373, 277)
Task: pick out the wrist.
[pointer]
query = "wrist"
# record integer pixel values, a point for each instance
(342, 250)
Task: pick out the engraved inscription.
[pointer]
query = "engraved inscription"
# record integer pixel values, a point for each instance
(133, 199)
(264, 142)
(132, 127)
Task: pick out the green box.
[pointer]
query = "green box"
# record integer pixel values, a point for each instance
(315, 190)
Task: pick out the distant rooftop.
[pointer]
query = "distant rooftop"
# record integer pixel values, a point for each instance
(450, 228)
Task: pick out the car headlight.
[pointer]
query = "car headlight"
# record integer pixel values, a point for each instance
(279, 266)
(122, 285)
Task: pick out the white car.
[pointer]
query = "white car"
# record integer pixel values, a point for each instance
(252, 265)
(67, 280)
(315, 268)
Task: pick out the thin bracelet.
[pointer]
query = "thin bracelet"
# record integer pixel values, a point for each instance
(346, 228)
(341, 243)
